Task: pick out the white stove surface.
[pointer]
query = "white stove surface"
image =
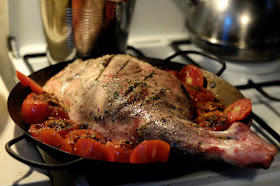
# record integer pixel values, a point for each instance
(12, 171)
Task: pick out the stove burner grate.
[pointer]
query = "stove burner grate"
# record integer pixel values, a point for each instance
(28, 56)
(258, 86)
(184, 54)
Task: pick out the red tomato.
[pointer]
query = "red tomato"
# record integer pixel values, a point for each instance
(200, 94)
(28, 82)
(202, 107)
(213, 120)
(238, 110)
(34, 110)
(122, 152)
(35, 130)
(58, 112)
(91, 148)
(51, 137)
(62, 126)
(191, 75)
(175, 73)
(150, 151)
(73, 136)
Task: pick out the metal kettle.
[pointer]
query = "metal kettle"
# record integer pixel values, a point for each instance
(243, 30)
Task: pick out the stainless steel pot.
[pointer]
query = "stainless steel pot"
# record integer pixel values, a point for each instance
(246, 30)
(85, 28)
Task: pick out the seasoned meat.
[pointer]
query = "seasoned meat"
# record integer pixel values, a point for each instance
(124, 98)
(110, 94)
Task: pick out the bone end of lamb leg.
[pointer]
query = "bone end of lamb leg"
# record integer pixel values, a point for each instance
(245, 148)
(238, 145)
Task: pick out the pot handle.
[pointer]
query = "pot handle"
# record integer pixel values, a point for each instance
(34, 163)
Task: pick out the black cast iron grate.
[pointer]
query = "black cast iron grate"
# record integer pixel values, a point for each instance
(259, 87)
(32, 56)
(184, 54)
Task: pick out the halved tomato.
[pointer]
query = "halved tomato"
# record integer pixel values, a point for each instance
(62, 126)
(34, 110)
(37, 107)
(28, 82)
(150, 151)
(91, 148)
(238, 110)
(213, 120)
(200, 94)
(51, 137)
(36, 129)
(59, 112)
(202, 107)
(191, 75)
(73, 136)
(122, 152)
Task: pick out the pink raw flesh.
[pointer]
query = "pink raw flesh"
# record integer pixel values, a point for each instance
(122, 97)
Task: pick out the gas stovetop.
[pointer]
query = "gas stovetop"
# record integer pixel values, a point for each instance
(259, 84)
(154, 33)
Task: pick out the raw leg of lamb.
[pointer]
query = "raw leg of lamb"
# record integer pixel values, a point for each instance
(122, 97)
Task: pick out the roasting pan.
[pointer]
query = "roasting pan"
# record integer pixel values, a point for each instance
(116, 172)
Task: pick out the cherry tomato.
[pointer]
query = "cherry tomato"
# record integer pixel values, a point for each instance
(150, 151)
(175, 73)
(51, 137)
(191, 75)
(59, 112)
(202, 107)
(213, 120)
(28, 82)
(62, 126)
(35, 130)
(122, 152)
(34, 110)
(91, 148)
(238, 110)
(200, 94)
(73, 136)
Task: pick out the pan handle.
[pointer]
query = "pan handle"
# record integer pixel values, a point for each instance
(34, 163)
